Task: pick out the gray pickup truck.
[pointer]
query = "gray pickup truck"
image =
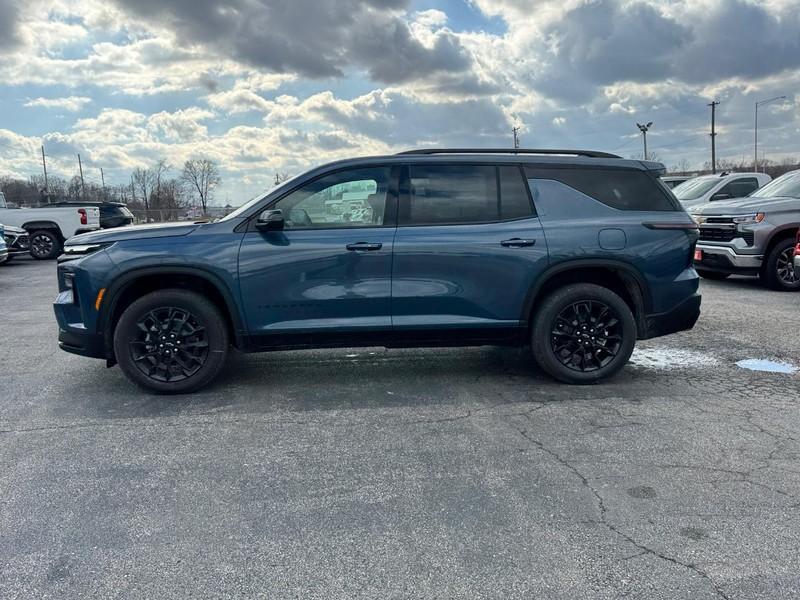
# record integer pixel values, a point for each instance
(753, 235)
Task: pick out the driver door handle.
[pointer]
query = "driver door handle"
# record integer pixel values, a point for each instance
(364, 246)
(517, 243)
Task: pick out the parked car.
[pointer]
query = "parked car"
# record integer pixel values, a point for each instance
(112, 214)
(724, 186)
(50, 226)
(16, 240)
(753, 235)
(3, 247)
(575, 253)
(672, 181)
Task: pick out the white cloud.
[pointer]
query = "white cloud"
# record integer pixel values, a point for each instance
(70, 103)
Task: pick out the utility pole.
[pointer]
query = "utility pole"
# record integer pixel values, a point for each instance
(755, 129)
(83, 185)
(515, 131)
(713, 106)
(103, 180)
(44, 166)
(644, 129)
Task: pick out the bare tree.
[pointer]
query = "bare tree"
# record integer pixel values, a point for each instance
(202, 176)
(143, 181)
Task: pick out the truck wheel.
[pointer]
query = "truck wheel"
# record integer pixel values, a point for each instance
(779, 272)
(583, 333)
(712, 275)
(171, 341)
(45, 244)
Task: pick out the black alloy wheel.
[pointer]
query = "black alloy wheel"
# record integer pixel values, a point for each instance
(171, 344)
(44, 245)
(171, 341)
(586, 335)
(583, 333)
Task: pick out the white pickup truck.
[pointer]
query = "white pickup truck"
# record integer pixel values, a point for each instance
(50, 226)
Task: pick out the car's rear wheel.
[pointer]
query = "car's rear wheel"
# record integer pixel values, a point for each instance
(583, 333)
(171, 341)
(779, 272)
(712, 274)
(44, 244)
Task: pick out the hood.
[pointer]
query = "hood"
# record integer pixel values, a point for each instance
(136, 232)
(743, 206)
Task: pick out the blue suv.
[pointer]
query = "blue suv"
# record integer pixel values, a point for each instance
(575, 253)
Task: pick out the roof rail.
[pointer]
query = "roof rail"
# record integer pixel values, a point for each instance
(589, 153)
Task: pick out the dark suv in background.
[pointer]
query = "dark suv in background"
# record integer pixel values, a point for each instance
(577, 254)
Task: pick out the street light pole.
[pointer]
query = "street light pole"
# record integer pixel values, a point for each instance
(644, 129)
(755, 128)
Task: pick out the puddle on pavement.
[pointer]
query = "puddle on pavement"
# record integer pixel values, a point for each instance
(671, 358)
(769, 366)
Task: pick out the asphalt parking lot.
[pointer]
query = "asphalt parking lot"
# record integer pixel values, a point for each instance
(457, 473)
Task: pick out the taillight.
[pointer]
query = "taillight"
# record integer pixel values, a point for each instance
(84, 219)
(797, 247)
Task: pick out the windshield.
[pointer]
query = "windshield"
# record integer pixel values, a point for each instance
(255, 200)
(785, 185)
(694, 188)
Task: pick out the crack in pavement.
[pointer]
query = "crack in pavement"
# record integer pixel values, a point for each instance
(613, 528)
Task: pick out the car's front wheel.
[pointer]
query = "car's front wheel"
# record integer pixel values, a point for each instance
(171, 341)
(779, 272)
(583, 333)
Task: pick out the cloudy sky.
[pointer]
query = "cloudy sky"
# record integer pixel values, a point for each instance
(280, 85)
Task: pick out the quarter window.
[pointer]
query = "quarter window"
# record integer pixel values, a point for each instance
(354, 198)
(618, 188)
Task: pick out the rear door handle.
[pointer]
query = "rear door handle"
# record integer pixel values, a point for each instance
(517, 243)
(364, 246)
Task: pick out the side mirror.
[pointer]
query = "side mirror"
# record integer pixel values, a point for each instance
(719, 196)
(270, 220)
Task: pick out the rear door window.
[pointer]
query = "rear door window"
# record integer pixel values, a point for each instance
(450, 194)
(515, 203)
(623, 189)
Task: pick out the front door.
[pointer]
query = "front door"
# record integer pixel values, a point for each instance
(327, 274)
(468, 249)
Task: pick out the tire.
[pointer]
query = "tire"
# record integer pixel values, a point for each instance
(152, 356)
(713, 275)
(44, 244)
(553, 336)
(778, 272)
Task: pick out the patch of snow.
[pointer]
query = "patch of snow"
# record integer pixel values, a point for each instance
(671, 358)
(770, 366)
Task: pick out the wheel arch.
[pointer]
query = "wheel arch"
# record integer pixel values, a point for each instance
(32, 226)
(781, 233)
(618, 276)
(135, 284)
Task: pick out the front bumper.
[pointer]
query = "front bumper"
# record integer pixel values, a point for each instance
(724, 259)
(72, 333)
(680, 318)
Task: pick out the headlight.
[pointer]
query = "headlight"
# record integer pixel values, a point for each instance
(82, 249)
(749, 219)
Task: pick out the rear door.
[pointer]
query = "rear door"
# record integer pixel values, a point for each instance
(467, 249)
